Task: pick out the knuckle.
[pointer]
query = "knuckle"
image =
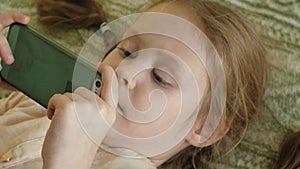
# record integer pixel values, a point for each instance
(57, 95)
(79, 90)
(68, 94)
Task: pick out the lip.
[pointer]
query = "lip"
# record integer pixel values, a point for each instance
(120, 109)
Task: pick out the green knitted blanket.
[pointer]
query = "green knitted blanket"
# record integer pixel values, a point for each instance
(278, 21)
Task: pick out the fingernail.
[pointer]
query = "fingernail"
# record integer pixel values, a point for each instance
(10, 59)
(27, 19)
(98, 64)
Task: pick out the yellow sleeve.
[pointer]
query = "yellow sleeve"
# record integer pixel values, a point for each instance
(23, 125)
(15, 99)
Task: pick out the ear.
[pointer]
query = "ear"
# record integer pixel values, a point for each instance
(194, 137)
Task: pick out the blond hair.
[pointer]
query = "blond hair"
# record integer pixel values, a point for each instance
(243, 56)
(240, 48)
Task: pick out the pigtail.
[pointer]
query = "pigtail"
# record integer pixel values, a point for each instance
(70, 14)
(289, 155)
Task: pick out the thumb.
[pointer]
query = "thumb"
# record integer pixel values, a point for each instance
(109, 92)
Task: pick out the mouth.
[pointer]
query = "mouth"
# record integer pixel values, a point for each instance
(120, 109)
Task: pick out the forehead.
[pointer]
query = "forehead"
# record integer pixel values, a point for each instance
(179, 9)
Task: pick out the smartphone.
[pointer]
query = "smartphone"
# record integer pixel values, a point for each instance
(43, 68)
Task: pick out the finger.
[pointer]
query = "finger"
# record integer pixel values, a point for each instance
(93, 110)
(82, 95)
(7, 19)
(85, 93)
(69, 95)
(109, 92)
(56, 101)
(5, 51)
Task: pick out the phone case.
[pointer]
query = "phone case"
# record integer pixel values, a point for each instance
(42, 67)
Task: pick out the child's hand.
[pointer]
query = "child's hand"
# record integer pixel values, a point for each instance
(6, 20)
(68, 143)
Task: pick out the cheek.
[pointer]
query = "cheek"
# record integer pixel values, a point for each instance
(140, 100)
(166, 116)
(148, 96)
(172, 109)
(143, 130)
(140, 96)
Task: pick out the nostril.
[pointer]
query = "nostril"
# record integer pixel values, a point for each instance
(125, 82)
(129, 84)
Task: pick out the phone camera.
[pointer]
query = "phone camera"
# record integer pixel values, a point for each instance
(98, 83)
(97, 86)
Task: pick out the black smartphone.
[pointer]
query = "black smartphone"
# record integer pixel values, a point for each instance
(43, 68)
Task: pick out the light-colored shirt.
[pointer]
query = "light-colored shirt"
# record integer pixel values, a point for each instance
(23, 126)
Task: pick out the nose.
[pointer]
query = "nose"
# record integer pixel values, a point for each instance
(130, 83)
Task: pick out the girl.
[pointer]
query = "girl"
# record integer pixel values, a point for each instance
(186, 84)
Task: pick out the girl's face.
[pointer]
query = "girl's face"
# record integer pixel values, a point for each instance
(160, 80)
(149, 78)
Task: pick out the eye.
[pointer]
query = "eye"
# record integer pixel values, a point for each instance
(158, 78)
(126, 53)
